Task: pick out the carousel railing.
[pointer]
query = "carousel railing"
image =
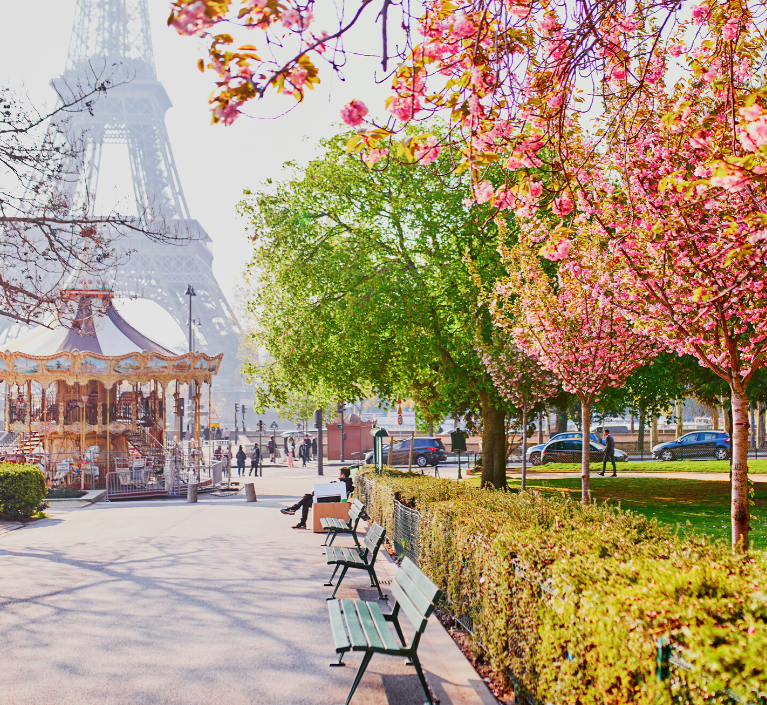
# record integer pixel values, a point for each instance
(172, 482)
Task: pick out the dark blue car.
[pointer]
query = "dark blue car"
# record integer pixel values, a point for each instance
(699, 445)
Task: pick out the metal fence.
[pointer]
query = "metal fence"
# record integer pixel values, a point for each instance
(672, 664)
(171, 481)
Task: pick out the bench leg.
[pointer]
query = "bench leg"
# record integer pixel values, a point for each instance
(330, 582)
(422, 678)
(374, 583)
(327, 536)
(338, 584)
(332, 538)
(340, 661)
(393, 619)
(363, 666)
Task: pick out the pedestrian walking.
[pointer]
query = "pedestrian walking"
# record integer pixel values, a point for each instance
(255, 460)
(306, 451)
(609, 442)
(226, 463)
(314, 449)
(218, 453)
(241, 455)
(290, 447)
(272, 448)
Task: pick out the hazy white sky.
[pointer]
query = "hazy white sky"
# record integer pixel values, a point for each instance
(215, 163)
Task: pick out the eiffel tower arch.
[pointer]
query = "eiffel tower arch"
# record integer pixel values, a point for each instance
(110, 33)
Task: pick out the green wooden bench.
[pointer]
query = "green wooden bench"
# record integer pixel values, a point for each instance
(352, 558)
(361, 626)
(339, 526)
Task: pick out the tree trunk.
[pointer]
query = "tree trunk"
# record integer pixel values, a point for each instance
(727, 416)
(561, 420)
(493, 444)
(751, 426)
(739, 466)
(760, 423)
(632, 423)
(524, 448)
(540, 427)
(679, 417)
(715, 417)
(654, 432)
(640, 432)
(431, 429)
(585, 451)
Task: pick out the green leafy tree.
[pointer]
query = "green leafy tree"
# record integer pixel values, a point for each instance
(363, 287)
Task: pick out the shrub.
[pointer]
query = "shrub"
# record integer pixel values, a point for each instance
(569, 599)
(22, 491)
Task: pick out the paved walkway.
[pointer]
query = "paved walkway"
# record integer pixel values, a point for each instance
(165, 602)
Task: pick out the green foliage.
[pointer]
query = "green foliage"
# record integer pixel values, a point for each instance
(569, 599)
(22, 491)
(65, 493)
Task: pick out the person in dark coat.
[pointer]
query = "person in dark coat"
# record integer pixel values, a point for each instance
(272, 448)
(305, 452)
(255, 460)
(609, 442)
(304, 504)
(314, 449)
(241, 455)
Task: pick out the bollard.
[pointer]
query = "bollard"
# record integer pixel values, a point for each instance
(191, 492)
(250, 493)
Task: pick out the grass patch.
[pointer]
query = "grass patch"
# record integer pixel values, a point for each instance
(754, 466)
(65, 493)
(702, 506)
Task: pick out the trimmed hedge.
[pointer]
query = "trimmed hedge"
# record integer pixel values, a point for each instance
(569, 600)
(22, 491)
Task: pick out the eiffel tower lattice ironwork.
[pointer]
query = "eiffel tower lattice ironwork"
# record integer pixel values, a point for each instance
(116, 32)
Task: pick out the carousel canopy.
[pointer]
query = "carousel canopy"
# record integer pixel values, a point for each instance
(98, 345)
(107, 334)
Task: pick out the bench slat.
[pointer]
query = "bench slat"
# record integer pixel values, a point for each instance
(417, 619)
(368, 626)
(383, 627)
(420, 601)
(426, 586)
(337, 623)
(353, 627)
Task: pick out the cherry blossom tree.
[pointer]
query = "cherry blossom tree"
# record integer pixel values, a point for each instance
(573, 330)
(521, 380)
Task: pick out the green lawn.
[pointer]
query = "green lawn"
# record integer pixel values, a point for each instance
(701, 505)
(754, 466)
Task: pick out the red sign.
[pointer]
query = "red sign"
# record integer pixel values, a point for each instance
(399, 419)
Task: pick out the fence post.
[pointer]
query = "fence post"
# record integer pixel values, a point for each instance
(662, 659)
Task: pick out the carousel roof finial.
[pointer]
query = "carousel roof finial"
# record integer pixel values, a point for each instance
(83, 284)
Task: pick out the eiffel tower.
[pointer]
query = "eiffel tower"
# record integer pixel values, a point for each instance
(110, 33)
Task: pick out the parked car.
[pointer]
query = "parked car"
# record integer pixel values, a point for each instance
(697, 445)
(570, 451)
(534, 452)
(426, 451)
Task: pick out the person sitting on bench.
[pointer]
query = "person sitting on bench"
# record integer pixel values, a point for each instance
(344, 475)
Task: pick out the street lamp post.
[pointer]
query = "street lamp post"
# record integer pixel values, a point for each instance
(190, 293)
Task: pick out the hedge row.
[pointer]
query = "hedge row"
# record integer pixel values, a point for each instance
(22, 491)
(569, 600)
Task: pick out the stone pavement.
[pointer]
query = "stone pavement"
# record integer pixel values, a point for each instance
(163, 602)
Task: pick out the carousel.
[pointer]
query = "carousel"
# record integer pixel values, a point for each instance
(101, 406)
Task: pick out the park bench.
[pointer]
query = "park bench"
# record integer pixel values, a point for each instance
(361, 626)
(339, 526)
(352, 558)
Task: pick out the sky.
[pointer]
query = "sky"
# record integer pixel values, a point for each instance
(215, 163)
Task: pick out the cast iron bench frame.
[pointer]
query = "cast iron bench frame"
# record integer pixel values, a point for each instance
(359, 625)
(352, 558)
(339, 526)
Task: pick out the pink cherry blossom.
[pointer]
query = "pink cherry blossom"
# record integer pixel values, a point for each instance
(192, 19)
(429, 151)
(354, 113)
(463, 28)
(484, 192)
(374, 156)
